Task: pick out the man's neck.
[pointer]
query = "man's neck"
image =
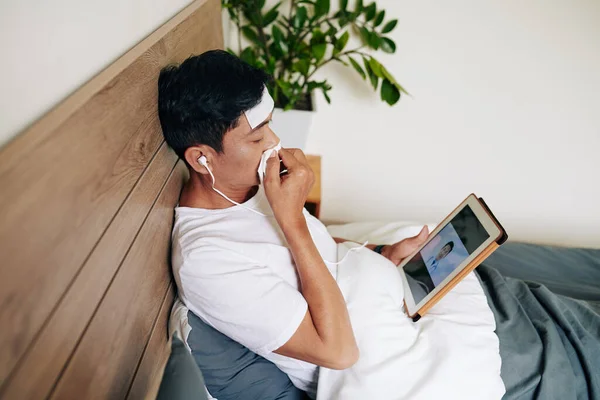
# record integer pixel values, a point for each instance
(198, 193)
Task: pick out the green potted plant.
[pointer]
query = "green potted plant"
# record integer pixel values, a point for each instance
(292, 44)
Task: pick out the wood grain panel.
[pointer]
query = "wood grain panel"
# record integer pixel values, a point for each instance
(65, 178)
(35, 375)
(104, 362)
(149, 374)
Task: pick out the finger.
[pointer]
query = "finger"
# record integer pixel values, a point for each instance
(289, 159)
(422, 236)
(272, 171)
(299, 154)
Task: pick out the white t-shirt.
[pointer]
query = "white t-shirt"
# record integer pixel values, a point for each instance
(234, 270)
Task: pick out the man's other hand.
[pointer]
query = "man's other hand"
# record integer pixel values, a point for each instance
(404, 248)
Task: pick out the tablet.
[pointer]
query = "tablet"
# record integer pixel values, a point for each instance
(456, 246)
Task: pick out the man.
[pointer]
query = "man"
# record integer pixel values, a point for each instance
(248, 259)
(433, 262)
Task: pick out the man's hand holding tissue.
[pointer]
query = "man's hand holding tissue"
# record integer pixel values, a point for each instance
(287, 194)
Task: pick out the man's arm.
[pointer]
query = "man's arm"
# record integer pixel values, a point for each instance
(325, 336)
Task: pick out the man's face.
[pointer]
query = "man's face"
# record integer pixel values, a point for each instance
(443, 252)
(242, 150)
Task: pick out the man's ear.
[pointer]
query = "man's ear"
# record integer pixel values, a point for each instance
(192, 154)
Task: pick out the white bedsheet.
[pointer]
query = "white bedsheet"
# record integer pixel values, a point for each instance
(452, 352)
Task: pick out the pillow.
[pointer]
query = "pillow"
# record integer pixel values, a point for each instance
(182, 380)
(230, 370)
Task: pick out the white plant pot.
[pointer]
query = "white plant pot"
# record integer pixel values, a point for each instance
(292, 126)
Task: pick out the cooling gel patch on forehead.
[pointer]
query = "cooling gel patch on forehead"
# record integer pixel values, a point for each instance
(260, 112)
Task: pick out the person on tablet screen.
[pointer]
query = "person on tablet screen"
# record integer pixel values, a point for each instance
(433, 262)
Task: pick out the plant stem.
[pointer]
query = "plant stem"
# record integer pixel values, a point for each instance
(239, 32)
(345, 53)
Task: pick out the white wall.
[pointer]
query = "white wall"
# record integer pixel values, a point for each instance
(50, 48)
(506, 104)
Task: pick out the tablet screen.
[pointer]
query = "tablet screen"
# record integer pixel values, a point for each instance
(444, 253)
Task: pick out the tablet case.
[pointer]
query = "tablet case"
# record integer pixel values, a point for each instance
(478, 260)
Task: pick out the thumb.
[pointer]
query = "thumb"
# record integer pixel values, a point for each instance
(420, 238)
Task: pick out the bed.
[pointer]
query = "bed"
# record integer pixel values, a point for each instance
(545, 301)
(87, 204)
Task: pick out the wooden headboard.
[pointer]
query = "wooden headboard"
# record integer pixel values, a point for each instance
(86, 209)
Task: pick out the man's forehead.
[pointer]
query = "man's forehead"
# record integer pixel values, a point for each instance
(260, 112)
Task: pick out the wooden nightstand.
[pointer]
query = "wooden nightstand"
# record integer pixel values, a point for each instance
(313, 201)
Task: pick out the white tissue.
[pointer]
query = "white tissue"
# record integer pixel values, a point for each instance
(262, 167)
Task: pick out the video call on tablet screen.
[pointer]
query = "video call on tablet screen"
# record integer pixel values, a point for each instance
(444, 253)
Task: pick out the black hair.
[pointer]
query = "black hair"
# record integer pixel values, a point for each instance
(203, 98)
(451, 244)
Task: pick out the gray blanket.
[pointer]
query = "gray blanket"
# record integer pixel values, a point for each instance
(549, 343)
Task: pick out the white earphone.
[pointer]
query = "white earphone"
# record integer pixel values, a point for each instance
(204, 162)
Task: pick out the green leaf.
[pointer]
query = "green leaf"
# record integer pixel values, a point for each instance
(379, 18)
(285, 87)
(343, 20)
(370, 11)
(270, 16)
(387, 28)
(388, 45)
(321, 7)
(359, 6)
(251, 34)
(318, 51)
(357, 67)
(332, 31)
(376, 67)
(276, 51)
(248, 56)
(326, 96)
(390, 78)
(300, 17)
(253, 16)
(317, 37)
(341, 42)
(389, 93)
(261, 4)
(301, 66)
(374, 79)
(364, 34)
(279, 38)
(374, 40)
(343, 4)
(270, 67)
